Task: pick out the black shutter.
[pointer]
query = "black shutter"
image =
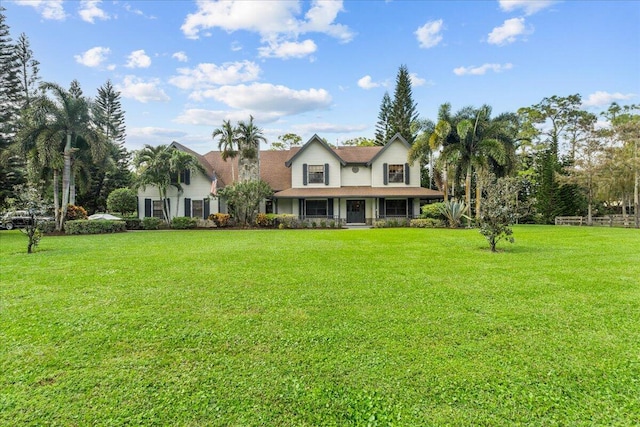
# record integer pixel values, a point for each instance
(381, 212)
(304, 174)
(301, 207)
(206, 209)
(406, 173)
(187, 207)
(410, 208)
(330, 207)
(147, 208)
(187, 177)
(326, 174)
(385, 173)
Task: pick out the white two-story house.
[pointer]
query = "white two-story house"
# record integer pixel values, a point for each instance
(355, 185)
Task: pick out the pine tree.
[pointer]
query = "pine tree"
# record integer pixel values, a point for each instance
(11, 166)
(113, 172)
(403, 111)
(27, 70)
(383, 127)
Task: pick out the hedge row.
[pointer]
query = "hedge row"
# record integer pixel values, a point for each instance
(100, 226)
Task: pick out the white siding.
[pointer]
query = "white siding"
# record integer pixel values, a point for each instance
(351, 179)
(315, 154)
(395, 154)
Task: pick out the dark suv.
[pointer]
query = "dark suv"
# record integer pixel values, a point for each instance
(19, 219)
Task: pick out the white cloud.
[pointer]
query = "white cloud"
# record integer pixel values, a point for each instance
(319, 128)
(197, 116)
(48, 9)
(180, 56)
(478, 71)
(508, 32)
(278, 23)
(288, 49)
(207, 75)
(93, 57)
(152, 132)
(429, 34)
(141, 90)
(89, 10)
(236, 46)
(138, 59)
(416, 81)
(367, 83)
(600, 98)
(266, 97)
(529, 6)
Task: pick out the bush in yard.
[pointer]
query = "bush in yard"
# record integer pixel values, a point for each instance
(123, 201)
(28, 198)
(426, 223)
(100, 226)
(500, 210)
(454, 211)
(76, 212)
(243, 200)
(183, 223)
(133, 223)
(264, 220)
(151, 223)
(220, 219)
(432, 210)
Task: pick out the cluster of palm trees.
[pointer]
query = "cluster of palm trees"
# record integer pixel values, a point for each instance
(58, 136)
(471, 146)
(242, 140)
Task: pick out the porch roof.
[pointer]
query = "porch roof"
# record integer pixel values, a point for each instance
(325, 192)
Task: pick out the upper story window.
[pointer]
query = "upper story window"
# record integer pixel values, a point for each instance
(396, 173)
(316, 174)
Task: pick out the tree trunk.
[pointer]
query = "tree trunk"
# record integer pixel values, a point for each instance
(636, 196)
(56, 196)
(66, 181)
(467, 188)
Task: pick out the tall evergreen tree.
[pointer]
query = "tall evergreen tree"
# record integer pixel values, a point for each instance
(113, 172)
(383, 127)
(403, 111)
(11, 166)
(27, 70)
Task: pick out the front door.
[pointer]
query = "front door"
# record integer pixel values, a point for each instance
(355, 212)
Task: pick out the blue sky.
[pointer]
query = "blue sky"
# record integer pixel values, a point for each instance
(323, 66)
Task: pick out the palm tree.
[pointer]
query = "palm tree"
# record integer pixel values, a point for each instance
(479, 140)
(154, 168)
(62, 122)
(249, 138)
(228, 144)
(180, 161)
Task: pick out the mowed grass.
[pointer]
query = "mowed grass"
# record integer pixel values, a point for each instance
(404, 327)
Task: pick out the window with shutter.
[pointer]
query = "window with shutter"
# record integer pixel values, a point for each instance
(187, 206)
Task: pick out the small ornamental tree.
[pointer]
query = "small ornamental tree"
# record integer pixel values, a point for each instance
(501, 210)
(243, 200)
(28, 198)
(123, 201)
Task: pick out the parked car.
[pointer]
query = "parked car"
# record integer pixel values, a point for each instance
(19, 219)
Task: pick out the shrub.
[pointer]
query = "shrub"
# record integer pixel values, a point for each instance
(75, 212)
(205, 223)
(323, 223)
(432, 210)
(287, 221)
(314, 224)
(183, 223)
(151, 223)
(133, 223)
(454, 211)
(122, 200)
(263, 220)
(100, 226)
(426, 223)
(380, 224)
(332, 224)
(220, 219)
(47, 227)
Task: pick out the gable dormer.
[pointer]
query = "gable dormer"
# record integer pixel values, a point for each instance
(315, 165)
(389, 167)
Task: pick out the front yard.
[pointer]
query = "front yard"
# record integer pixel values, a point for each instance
(321, 327)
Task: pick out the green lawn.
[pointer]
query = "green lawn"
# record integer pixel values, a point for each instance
(321, 328)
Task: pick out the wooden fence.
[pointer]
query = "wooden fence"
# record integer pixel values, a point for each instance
(606, 221)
